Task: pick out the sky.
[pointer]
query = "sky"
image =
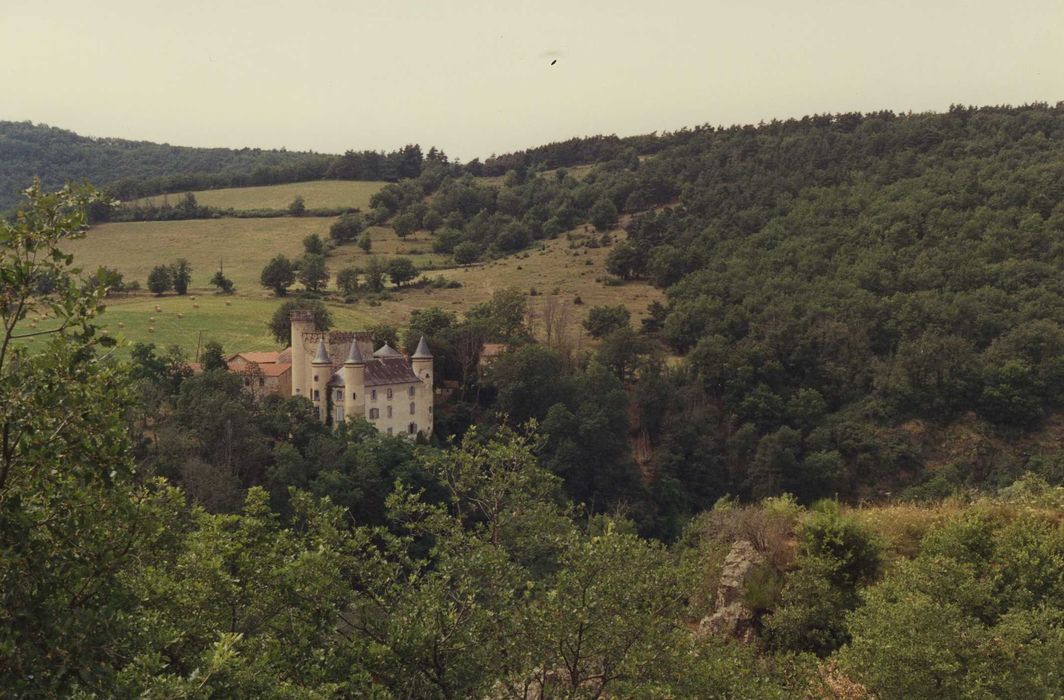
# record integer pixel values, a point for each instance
(476, 78)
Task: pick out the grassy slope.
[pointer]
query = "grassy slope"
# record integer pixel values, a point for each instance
(246, 244)
(316, 194)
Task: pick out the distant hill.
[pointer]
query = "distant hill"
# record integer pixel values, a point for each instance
(138, 167)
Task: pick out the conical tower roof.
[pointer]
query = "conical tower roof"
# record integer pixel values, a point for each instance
(354, 357)
(385, 351)
(422, 351)
(321, 357)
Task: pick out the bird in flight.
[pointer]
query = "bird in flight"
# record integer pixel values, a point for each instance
(554, 61)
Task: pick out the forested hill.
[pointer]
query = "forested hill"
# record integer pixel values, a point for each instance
(840, 283)
(58, 156)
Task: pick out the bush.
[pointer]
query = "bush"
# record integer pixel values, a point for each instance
(223, 283)
(347, 228)
(160, 280)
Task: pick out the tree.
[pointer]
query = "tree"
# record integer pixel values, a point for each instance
(297, 207)
(313, 245)
(313, 273)
(347, 281)
(404, 224)
(347, 228)
(213, 357)
(280, 324)
(401, 270)
(384, 333)
(278, 275)
(182, 275)
(603, 320)
(432, 220)
(365, 242)
(223, 283)
(528, 381)
(603, 214)
(375, 272)
(466, 253)
(160, 280)
(74, 529)
(625, 261)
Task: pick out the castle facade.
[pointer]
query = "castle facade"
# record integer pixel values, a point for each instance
(344, 377)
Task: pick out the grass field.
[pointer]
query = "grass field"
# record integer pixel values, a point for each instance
(316, 194)
(238, 323)
(245, 245)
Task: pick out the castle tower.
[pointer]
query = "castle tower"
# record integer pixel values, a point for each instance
(321, 373)
(302, 323)
(354, 382)
(421, 364)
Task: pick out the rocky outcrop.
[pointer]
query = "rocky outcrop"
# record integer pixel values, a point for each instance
(730, 616)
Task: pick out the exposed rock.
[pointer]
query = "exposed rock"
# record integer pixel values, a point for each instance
(730, 617)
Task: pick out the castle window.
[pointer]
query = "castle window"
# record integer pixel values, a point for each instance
(411, 392)
(389, 431)
(430, 409)
(262, 382)
(412, 428)
(317, 395)
(338, 413)
(317, 412)
(353, 396)
(339, 394)
(412, 407)
(389, 411)
(315, 377)
(389, 393)
(373, 395)
(374, 413)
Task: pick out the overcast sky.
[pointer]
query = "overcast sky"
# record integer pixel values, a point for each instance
(476, 77)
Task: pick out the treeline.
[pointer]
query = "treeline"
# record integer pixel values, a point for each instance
(137, 168)
(134, 169)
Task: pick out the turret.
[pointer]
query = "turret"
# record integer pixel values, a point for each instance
(321, 373)
(354, 374)
(421, 364)
(302, 323)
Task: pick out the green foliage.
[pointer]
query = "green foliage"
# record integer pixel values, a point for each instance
(280, 323)
(160, 280)
(401, 270)
(313, 245)
(365, 242)
(837, 558)
(181, 272)
(347, 228)
(466, 253)
(313, 273)
(603, 320)
(978, 612)
(223, 283)
(347, 281)
(603, 215)
(625, 261)
(278, 275)
(297, 207)
(375, 273)
(213, 357)
(404, 224)
(384, 333)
